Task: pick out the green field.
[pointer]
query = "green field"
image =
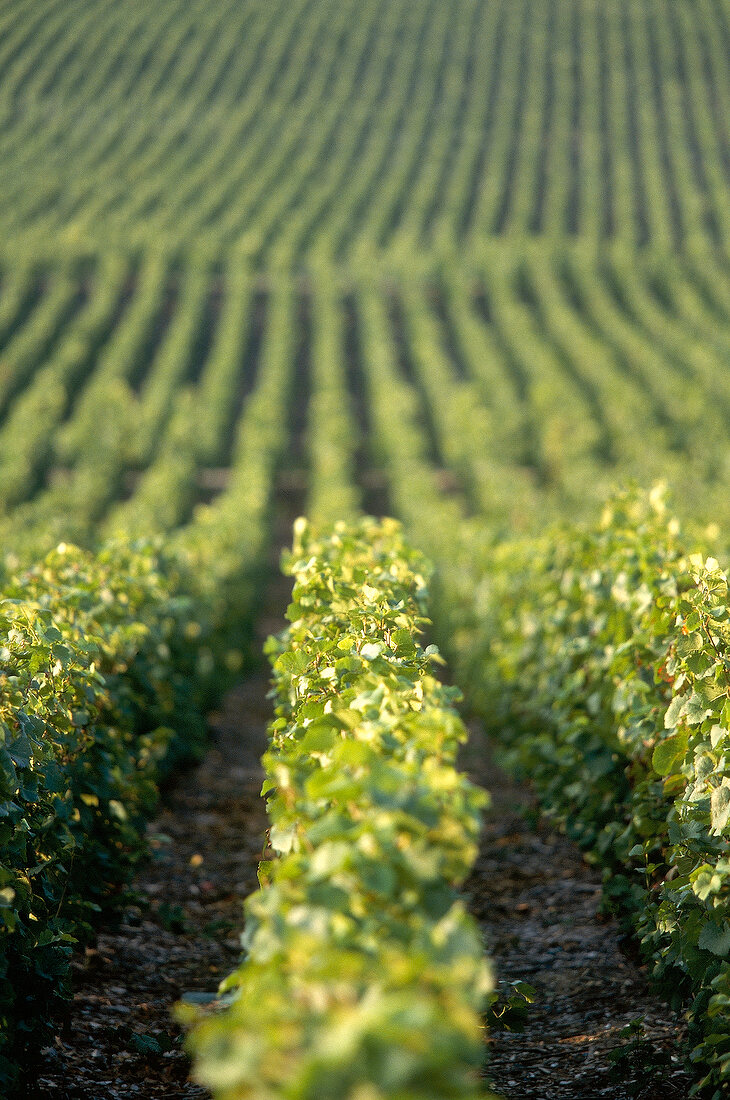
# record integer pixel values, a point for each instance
(462, 262)
(524, 205)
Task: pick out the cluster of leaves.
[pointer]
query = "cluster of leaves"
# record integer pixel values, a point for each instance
(95, 675)
(363, 975)
(601, 657)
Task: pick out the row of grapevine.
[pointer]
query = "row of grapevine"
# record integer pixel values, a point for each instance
(331, 428)
(226, 542)
(363, 971)
(22, 286)
(599, 657)
(35, 339)
(96, 675)
(27, 432)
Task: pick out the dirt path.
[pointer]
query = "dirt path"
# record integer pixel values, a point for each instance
(539, 905)
(120, 1040)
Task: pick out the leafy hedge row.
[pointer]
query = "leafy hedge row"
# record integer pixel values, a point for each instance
(602, 657)
(363, 974)
(107, 654)
(99, 695)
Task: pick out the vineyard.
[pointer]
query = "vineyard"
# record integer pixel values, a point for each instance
(465, 263)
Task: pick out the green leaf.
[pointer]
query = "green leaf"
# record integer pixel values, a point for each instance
(674, 711)
(669, 753)
(720, 807)
(282, 839)
(117, 809)
(690, 643)
(717, 734)
(525, 990)
(145, 1044)
(715, 938)
(320, 737)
